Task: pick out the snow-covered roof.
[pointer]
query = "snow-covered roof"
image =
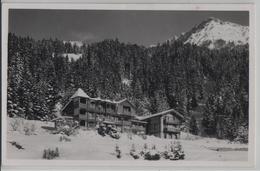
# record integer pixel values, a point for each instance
(138, 121)
(120, 101)
(161, 113)
(79, 93)
(103, 100)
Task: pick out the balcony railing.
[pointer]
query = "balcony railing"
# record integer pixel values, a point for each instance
(126, 123)
(171, 122)
(138, 128)
(171, 129)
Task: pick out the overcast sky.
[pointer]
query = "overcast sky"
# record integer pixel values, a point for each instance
(141, 27)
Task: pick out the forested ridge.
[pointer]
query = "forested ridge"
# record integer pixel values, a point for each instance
(186, 77)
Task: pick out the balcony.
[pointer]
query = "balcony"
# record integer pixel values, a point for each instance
(171, 122)
(85, 117)
(138, 128)
(118, 122)
(171, 129)
(126, 123)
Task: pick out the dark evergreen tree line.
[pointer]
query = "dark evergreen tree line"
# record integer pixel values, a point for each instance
(170, 75)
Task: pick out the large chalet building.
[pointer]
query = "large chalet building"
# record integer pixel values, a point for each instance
(93, 111)
(122, 115)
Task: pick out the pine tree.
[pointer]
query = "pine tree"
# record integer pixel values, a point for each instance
(193, 126)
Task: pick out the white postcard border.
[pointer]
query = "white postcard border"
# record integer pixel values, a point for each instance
(138, 164)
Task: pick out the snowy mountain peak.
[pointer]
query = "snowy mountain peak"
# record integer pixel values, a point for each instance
(215, 33)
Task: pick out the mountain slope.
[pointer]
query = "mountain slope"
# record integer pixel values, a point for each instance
(214, 33)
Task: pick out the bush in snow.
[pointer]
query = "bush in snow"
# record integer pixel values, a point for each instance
(175, 152)
(15, 124)
(145, 146)
(130, 136)
(152, 154)
(57, 152)
(133, 152)
(64, 138)
(50, 154)
(118, 152)
(29, 129)
(144, 137)
(33, 128)
(242, 134)
(26, 130)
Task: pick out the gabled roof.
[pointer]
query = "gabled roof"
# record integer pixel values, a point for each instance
(66, 104)
(123, 100)
(79, 93)
(162, 113)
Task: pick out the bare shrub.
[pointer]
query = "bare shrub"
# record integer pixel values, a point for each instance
(118, 152)
(175, 152)
(26, 129)
(64, 138)
(50, 153)
(33, 128)
(133, 152)
(144, 137)
(15, 124)
(130, 136)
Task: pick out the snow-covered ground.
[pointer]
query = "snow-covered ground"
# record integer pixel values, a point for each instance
(89, 145)
(126, 81)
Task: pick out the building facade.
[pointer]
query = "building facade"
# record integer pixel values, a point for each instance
(165, 124)
(93, 111)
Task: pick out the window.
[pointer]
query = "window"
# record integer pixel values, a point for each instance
(76, 104)
(83, 100)
(91, 116)
(126, 109)
(82, 123)
(82, 111)
(113, 107)
(92, 105)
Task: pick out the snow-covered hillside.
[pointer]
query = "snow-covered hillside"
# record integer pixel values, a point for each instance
(89, 145)
(214, 33)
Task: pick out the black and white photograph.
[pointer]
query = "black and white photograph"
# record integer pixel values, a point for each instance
(128, 85)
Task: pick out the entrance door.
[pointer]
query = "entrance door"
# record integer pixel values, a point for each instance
(82, 123)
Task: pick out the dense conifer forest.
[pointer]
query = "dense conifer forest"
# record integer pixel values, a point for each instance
(210, 85)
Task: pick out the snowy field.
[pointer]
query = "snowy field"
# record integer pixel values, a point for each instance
(88, 145)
